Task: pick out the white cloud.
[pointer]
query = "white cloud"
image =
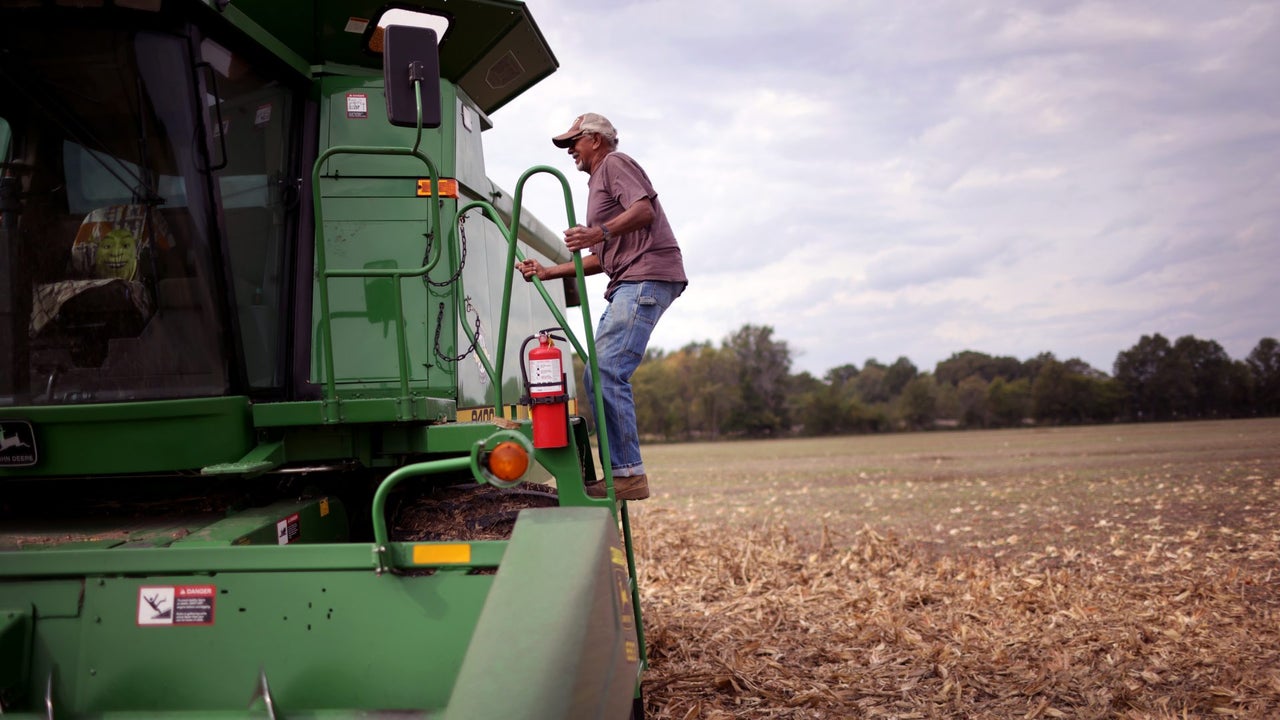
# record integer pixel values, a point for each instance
(886, 179)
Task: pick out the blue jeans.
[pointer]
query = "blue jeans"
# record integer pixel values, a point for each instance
(621, 339)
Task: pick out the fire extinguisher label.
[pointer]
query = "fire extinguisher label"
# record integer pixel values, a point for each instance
(544, 376)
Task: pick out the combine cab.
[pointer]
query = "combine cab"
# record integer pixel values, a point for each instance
(260, 447)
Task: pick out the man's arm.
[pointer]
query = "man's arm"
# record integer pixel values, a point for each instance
(529, 268)
(639, 215)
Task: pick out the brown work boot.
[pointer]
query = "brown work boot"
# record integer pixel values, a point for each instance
(634, 487)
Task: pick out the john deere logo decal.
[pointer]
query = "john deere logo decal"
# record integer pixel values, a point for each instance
(17, 444)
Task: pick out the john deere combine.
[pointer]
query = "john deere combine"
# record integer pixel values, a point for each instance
(260, 447)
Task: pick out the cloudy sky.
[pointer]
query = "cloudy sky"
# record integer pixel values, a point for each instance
(878, 179)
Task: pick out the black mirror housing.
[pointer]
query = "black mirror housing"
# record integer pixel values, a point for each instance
(409, 54)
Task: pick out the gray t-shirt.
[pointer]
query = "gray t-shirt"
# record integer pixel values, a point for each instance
(650, 253)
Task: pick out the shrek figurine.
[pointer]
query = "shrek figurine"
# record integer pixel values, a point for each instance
(116, 256)
(103, 279)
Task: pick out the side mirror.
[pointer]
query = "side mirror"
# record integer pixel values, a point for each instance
(409, 54)
(4, 140)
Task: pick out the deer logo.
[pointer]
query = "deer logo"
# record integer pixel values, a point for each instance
(13, 441)
(17, 444)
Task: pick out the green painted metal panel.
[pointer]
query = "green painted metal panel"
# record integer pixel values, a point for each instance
(348, 127)
(324, 640)
(135, 561)
(15, 648)
(283, 28)
(492, 47)
(137, 437)
(335, 643)
(205, 559)
(50, 598)
(366, 337)
(580, 659)
(265, 456)
(484, 254)
(281, 523)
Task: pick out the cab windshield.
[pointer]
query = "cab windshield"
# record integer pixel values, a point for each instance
(107, 287)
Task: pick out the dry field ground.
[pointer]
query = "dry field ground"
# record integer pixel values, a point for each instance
(1127, 571)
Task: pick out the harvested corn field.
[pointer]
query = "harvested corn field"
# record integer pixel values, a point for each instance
(1107, 572)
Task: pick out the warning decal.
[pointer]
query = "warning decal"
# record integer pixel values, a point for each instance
(176, 604)
(287, 530)
(357, 105)
(545, 376)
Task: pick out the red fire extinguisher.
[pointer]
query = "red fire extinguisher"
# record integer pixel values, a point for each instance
(545, 391)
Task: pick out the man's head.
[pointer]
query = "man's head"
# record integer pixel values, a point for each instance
(588, 140)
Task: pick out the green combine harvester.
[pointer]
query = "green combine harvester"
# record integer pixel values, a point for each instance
(265, 436)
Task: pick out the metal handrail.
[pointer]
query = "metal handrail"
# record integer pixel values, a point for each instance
(510, 235)
(324, 274)
(581, 281)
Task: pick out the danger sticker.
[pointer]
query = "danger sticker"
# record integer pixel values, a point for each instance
(287, 530)
(176, 604)
(357, 105)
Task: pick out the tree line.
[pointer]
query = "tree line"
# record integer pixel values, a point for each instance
(745, 387)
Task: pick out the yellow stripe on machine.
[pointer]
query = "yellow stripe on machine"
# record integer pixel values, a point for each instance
(452, 554)
(517, 411)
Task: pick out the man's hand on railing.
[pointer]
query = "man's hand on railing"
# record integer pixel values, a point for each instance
(531, 268)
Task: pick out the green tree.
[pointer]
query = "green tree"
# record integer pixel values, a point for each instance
(682, 364)
(1143, 372)
(870, 385)
(1264, 366)
(585, 403)
(968, 363)
(1008, 402)
(972, 395)
(897, 375)
(658, 408)
(841, 375)
(948, 403)
(1059, 395)
(764, 366)
(1202, 374)
(919, 402)
(820, 406)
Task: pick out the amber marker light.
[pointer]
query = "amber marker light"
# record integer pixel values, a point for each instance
(448, 187)
(508, 461)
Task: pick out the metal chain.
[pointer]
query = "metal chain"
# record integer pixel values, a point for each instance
(440, 325)
(462, 261)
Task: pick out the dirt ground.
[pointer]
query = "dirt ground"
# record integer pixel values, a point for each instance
(995, 491)
(1122, 571)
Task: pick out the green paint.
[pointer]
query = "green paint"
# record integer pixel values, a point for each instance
(340, 620)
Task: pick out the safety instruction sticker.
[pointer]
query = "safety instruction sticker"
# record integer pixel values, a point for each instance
(357, 105)
(176, 604)
(545, 376)
(287, 529)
